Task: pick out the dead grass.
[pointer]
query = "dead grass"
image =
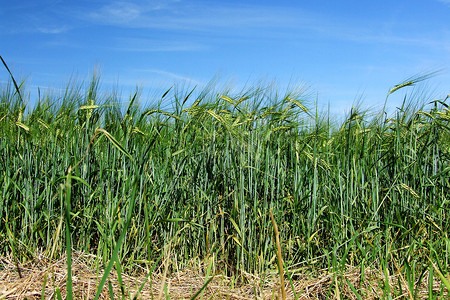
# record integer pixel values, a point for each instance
(183, 284)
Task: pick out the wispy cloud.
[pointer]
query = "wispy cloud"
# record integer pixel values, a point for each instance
(53, 30)
(173, 76)
(180, 16)
(361, 35)
(445, 2)
(117, 13)
(249, 21)
(154, 45)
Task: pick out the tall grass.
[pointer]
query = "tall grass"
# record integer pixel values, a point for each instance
(203, 175)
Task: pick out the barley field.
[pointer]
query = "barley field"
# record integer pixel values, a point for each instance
(191, 181)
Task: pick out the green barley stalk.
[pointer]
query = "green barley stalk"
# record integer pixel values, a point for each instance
(67, 189)
(200, 168)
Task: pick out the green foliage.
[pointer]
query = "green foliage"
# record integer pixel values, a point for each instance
(203, 178)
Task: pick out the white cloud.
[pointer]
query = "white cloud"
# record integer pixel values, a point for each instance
(178, 16)
(53, 30)
(247, 21)
(174, 76)
(445, 2)
(117, 13)
(152, 45)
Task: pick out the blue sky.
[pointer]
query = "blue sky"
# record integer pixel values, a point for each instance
(341, 50)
